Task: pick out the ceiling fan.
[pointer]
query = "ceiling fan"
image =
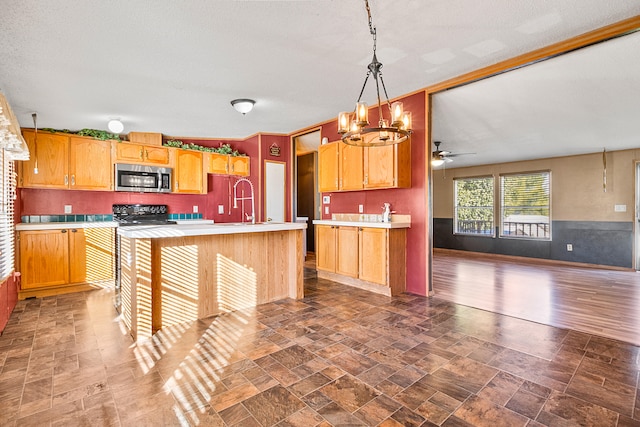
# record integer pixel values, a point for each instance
(439, 157)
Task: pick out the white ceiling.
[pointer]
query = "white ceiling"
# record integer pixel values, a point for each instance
(174, 66)
(580, 102)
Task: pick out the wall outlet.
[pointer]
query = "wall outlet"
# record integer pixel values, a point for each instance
(360, 209)
(195, 209)
(620, 208)
(569, 247)
(220, 209)
(326, 210)
(67, 209)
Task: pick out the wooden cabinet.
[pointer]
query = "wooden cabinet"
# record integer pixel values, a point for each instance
(328, 167)
(44, 258)
(239, 165)
(66, 162)
(350, 168)
(347, 251)
(188, 172)
(388, 166)
(343, 167)
(367, 257)
(141, 154)
(50, 153)
(90, 164)
(224, 164)
(146, 138)
(218, 163)
(373, 266)
(53, 261)
(326, 247)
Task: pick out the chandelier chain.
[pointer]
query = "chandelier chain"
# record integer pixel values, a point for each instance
(372, 29)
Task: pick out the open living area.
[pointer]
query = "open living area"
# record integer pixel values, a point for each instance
(202, 225)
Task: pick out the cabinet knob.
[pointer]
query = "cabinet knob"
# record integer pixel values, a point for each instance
(63, 231)
(74, 230)
(73, 180)
(66, 180)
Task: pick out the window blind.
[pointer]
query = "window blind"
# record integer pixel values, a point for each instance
(525, 205)
(7, 198)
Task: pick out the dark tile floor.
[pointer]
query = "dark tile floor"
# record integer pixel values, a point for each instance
(341, 356)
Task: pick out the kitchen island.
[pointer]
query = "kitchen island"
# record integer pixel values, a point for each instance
(177, 273)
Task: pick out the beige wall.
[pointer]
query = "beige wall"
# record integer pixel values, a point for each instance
(576, 185)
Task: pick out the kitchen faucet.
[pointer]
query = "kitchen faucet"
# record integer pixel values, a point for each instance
(242, 199)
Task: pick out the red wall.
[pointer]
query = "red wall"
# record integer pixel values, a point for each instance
(407, 201)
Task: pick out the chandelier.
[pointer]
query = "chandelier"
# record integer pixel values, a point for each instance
(354, 126)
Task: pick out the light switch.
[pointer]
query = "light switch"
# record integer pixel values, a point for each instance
(220, 209)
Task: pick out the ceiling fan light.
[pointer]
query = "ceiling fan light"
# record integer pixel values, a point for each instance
(437, 162)
(243, 105)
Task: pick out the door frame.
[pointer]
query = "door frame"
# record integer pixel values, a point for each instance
(284, 189)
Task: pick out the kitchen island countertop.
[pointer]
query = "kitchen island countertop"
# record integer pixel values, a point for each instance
(183, 230)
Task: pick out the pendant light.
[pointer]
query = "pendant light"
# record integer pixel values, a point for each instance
(354, 126)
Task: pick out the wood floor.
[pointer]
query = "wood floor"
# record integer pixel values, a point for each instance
(596, 301)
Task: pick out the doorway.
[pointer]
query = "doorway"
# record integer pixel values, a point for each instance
(636, 246)
(307, 198)
(275, 190)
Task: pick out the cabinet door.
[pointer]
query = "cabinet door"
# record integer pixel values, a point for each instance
(328, 166)
(91, 255)
(187, 174)
(239, 165)
(51, 154)
(218, 163)
(44, 258)
(89, 164)
(373, 255)
(155, 155)
(77, 256)
(351, 162)
(133, 153)
(326, 248)
(380, 167)
(347, 255)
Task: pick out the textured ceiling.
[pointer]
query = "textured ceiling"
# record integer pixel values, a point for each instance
(580, 102)
(174, 66)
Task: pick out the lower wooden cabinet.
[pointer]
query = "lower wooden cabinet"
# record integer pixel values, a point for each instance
(367, 257)
(53, 261)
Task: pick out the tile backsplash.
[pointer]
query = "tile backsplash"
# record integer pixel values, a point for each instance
(93, 217)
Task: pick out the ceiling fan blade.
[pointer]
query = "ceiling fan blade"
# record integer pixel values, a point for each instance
(460, 154)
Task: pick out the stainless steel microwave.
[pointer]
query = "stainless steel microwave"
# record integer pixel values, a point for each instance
(143, 179)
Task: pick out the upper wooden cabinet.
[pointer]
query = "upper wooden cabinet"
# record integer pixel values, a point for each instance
(239, 165)
(224, 164)
(344, 167)
(328, 167)
(388, 166)
(218, 163)
(66, 162)
(141, 154)
(189, 175)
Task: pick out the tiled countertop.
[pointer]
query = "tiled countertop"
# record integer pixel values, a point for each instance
(363, 224)
(62, 225)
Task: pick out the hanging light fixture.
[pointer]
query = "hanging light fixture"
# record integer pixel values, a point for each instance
(243, 105)
(354, 126)
(34, 116)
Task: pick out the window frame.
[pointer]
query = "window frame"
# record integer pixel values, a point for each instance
(456, 231)
(7, 212)
(501, 207)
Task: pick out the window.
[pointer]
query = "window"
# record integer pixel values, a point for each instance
(474, 206)
(7, 197)
(525, 205)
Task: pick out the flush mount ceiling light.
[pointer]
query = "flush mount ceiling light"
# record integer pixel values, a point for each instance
(243, 105)
(354, 126)
(115, 126)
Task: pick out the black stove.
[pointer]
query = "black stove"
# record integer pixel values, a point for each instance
(126, 215)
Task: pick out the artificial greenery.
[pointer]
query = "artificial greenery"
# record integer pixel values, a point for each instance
(223, 149)
(94, 133)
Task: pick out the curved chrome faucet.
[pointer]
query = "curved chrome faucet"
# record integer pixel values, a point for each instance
(242, 199)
